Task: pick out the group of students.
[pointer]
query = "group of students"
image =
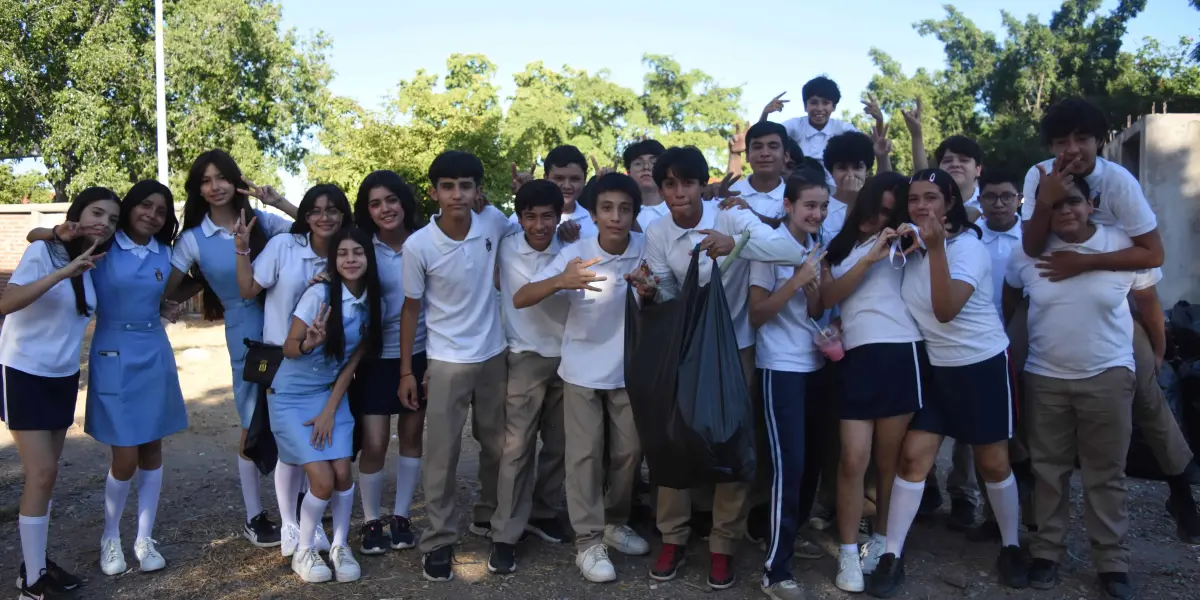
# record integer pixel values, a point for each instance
(367, 312)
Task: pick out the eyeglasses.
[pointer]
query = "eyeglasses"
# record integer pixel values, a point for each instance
(1005, 198)
(642, 163)
(332, 212)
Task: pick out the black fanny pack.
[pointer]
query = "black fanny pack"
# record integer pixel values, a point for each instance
(262, 361)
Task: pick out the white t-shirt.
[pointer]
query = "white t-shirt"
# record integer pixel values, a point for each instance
(768, 204)
(835, 219)
(652, 213)
(812, 140)
(785, 342)
(46, 337)
(539, 328)
(587, 227)
(873, 312)
(1001, 246)
(455, 280)
(284, 268)
(976, 333)
(669, 247)
(391, 284)
(186, 252)
(1119, 197)
(593, 344)
(1080, 326)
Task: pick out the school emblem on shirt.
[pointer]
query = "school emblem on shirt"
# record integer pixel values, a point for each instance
(487, 243)
(158, 274)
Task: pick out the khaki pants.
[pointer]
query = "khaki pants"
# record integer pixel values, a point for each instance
(1089, 418)
(453, 388)
(534, 404)
(589, 505)
(729, 505)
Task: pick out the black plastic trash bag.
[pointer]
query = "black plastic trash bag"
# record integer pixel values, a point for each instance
(260, 442)
(1183, 329)
(686, 387)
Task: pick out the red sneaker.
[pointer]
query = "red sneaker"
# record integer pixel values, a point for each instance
(720, 571)
(670, 559)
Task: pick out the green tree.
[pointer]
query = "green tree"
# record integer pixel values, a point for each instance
(77, 87)
(26, 188)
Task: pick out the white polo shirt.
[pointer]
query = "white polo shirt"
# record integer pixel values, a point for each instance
(652, 213)
(1081, 326)
(873, 312)
(973, 201)
(186, 252)
(1001, 246)
(587, 227)
(455, 280)
(835, 219)
(669, 247)
(812, 140)
(391, 284)
(768, 204)
(46, 337)
(593, 345)
(284, 268)
(976, 334)
(538, 328)
(785, 342)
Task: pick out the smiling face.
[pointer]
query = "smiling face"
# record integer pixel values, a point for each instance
(926, 201)
(1079, 150)
(767, 155)
(539, 223)
(682, 196)
(351, 260)
(217, 190)
(569, 179)
(148, 217)
(961, 167)
(385, 209)
(324, 218)
(455, 197)
(1069, 217)
(104, 213)
(614, 217)
(808, 212)
(876, 223)
(819, 110)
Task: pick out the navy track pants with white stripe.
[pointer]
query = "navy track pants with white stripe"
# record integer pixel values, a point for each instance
(784, 407)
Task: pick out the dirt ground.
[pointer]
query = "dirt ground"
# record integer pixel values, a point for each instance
(201, 515)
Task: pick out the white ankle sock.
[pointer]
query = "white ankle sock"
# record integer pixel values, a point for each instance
(149, 486)
(34, 531)
(248, 474)
(310, 519)
(408, 473)
(1006, 505)
(115, 493)
(285, 492)
(849, 550)
(370, 487)
(906, 499)
(341, 504)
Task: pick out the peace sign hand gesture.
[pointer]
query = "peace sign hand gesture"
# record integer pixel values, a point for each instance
(775, 105)
(871, 107)
(600, 171)
(241, 233)
(70, 230)
(266, 193)
(737, 143)
(810, 271)
(520, 178)
(880, 141)
(722, 191)
(315, 334)
(82, 263)
(576, 276)
(912, 118)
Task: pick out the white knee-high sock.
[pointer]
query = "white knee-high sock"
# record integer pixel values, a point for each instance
(149, 486)
(408, 474)
(248, 474)
(1006, 505)
(902, 509)
(341, 504)
(115, 493)
(310, 518)
(34, 531)
(285, 492)
(370, 487)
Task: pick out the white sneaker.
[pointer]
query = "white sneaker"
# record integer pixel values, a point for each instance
(344, 565)
(308, 565)
(148, 557)
(784, 590)
(289, 539)
(625, 540)
(849, 575)
(320, 540)
(871, 552)
(593, 563)
(112, 558)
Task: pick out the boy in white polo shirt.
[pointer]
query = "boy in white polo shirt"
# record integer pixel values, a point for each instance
(1074, 131)
(590, 275)
(762, 192)
(451, 265)
(680, 174)
(848, 158)
(962, 158)
(821, 96)
(639, 160)
(535, 391)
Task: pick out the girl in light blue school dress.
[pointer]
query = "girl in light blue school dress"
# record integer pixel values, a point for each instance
(333, 326)
(215, 199)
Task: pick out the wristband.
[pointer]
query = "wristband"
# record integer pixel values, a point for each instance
(54, 235)
(241, 253)
(403, 375)
(303, 351)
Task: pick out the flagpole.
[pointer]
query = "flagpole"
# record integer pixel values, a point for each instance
(160, 92)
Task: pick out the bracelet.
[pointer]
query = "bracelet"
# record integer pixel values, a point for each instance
(403, 375)
(303, 351)
(54, 235)
(240, 253)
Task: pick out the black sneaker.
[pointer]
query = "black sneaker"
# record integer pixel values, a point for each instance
(42, 589)
(988, 531)
(438, 564)
(503, 560)
(261, 531)
(1116, 585)
(885, 582)
(373, 539)
(1013, 566)
(962, 514)
(1182, 508)
(1043, 574)
(63, 579)
(758, 525)
(931, 501)
(481, 528)
(400, 530)
(550, 530)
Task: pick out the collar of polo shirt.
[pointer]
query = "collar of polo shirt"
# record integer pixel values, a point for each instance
(127, 244)
(445, 245)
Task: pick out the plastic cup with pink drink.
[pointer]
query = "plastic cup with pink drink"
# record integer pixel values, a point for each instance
(829, 340)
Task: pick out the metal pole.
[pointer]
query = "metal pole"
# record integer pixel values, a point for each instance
(160, 84)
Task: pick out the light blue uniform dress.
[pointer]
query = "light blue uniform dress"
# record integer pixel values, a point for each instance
(133, 386)
(302, 385)
(212, 248)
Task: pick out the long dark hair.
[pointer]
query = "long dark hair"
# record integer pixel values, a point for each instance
(866, 207)
(78, 246)
(335, 334)
(956, 216)
(337, 198)
(394, 183)
(139, 192)
(195, 207)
